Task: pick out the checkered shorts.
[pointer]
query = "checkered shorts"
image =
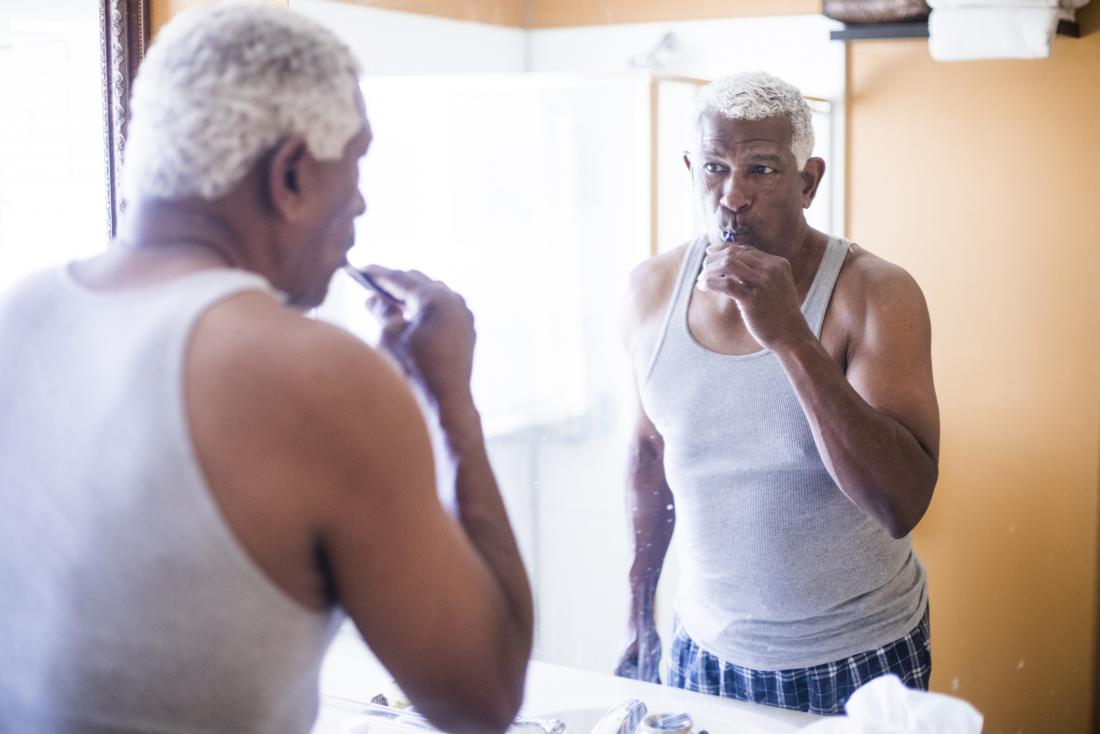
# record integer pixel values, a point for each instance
(822, 689)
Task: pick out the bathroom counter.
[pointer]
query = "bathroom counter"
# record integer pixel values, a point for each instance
(351, 675)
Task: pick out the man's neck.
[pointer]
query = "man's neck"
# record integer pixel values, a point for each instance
(806, 256)
(160, 240)
(176, 227)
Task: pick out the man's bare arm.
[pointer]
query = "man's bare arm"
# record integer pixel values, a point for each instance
(445, 604)
(649, 499)
(652, 519)
(876, 425)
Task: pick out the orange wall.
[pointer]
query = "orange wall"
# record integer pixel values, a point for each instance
(502, 12)
(982, 179)
(556, 13)
(499, 12)
(161, 11)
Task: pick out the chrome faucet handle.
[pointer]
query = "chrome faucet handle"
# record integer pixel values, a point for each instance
(548, 726)
(624, 718)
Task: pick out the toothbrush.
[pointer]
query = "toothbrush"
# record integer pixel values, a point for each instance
(365, 280)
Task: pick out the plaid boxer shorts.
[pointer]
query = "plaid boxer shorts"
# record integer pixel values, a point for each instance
(821, 689)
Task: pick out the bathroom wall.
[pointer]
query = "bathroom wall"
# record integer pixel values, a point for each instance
(981, 179)
(380, 35)
(161, 11)
(395, 43)
(554, 13)
(557, 13)
(498, 12)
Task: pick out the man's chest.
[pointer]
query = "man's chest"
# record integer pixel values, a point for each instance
(720, 328)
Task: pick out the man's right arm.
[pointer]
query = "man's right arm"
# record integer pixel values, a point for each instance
(442, 600)
(652, 518)
(649, 499)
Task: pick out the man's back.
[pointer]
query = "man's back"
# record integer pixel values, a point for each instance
(216, 481)
(131, 604)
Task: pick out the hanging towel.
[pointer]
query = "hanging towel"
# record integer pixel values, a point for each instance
(1016, 31)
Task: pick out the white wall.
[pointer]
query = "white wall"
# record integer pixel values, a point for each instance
(390, 42)
(796, 48)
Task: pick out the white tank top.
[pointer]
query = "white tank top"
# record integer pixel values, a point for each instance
(126, 602)
(779, 569)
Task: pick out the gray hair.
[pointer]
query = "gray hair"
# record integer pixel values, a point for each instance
(222, 85)
(754, 95)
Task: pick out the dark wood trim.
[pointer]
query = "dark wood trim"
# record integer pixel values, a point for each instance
(918, 29)
(1069, 28)
(123, 38)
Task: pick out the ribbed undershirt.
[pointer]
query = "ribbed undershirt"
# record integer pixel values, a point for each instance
(128, 604)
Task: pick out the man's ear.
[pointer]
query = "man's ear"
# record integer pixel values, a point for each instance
(811, 175)
(285, 176)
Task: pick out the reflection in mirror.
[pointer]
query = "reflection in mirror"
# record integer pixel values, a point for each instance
(534, 193)
(52, 184)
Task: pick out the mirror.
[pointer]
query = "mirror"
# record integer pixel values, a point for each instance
(541, 238)
(531, 172)
(52, 135)
(66, 67)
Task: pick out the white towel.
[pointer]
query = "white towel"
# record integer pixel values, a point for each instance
(969, 33)
(885, 706)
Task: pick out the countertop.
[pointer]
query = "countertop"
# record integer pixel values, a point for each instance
(351, 675)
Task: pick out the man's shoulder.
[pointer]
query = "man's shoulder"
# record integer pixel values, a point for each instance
(871, 289)
(653, 280)
(868, 277)
(250, 339)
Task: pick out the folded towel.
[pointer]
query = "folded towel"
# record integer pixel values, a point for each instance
(968, 33)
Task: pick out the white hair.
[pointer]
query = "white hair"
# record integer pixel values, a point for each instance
(754, 95)
(222, 85)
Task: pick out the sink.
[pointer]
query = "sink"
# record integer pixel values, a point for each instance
(580, 698)
(582, 720)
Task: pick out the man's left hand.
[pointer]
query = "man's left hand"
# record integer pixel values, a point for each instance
(763, 288)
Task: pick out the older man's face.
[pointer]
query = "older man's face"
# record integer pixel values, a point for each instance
(748, 181)
(338, 203)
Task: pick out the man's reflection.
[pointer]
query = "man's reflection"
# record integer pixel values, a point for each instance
(788, 423)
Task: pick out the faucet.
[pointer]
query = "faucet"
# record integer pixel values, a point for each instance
(548, 726)
(624, 718)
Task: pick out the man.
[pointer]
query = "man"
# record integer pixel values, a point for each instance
(788, 427)
(195, 476)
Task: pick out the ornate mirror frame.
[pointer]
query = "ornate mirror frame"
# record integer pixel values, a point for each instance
(123, 38)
